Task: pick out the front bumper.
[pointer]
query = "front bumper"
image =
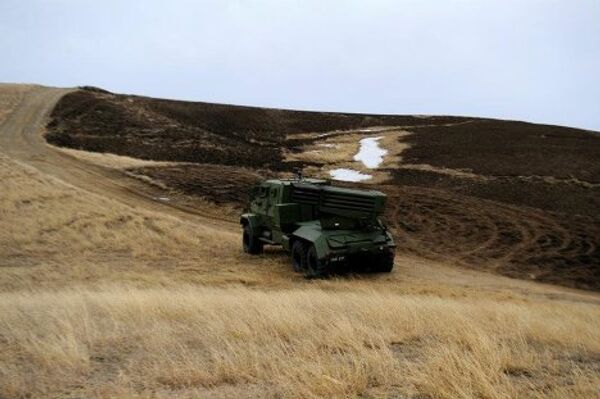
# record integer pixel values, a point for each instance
(359, 258)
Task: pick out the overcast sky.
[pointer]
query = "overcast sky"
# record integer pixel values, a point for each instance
(529, 60)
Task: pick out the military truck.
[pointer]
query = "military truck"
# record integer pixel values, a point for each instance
(326, 229)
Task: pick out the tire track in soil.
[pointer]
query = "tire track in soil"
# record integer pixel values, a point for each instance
(482, 234)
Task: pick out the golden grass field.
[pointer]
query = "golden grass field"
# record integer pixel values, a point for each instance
(103, 295)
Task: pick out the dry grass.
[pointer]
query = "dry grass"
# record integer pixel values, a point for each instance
(237, 342)
(99, 299)
(53, 234)
(338, 151)
(344, 148)
(463, 174)
(10, 96)
(111, 160)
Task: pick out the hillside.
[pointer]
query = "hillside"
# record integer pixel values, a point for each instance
(515, 198)
(124, 277)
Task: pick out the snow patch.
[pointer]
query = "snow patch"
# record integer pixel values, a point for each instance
(326, 134)
(343, 174)
(372, 129)
(370, 154)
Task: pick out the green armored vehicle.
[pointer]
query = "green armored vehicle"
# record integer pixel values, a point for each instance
(326, 229)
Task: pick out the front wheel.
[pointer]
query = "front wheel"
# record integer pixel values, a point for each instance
(299, 256)
(385, 263)
(251, 243)
(314, 266)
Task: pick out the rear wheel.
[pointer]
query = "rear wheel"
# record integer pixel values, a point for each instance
(251, 243)
(314, 266)
(299, 256)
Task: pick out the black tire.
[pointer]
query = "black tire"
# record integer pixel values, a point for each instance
(298, 256)
(385, 263)
(251, 243)
(314, 266)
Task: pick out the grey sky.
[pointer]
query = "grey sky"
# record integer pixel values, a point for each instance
(530, 60)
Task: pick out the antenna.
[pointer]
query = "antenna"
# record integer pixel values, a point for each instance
(298, 173)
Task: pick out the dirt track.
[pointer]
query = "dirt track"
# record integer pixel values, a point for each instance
(22, 140)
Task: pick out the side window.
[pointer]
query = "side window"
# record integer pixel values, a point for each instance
(273, 193)
(263, 191)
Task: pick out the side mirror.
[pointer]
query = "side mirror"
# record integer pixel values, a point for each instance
(383, 225)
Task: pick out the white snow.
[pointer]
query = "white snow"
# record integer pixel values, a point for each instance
(370, 154)
(328, 145)
(348, 175)
(371, 129)
(326, 134)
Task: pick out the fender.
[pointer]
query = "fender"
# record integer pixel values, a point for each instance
(316, 237)
(251, 220)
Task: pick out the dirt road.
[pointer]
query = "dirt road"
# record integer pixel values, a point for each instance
(22, 140)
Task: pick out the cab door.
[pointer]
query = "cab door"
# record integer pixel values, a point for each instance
(261, 200)
(274, 194)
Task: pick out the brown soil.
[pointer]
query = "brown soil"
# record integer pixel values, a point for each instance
(508, 148)
(166, 130)
(515, 241)
(531, 215)
(223, 185)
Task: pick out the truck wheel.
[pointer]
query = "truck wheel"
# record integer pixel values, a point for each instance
(385, 263)
(252, 245)
(299, 256)
(314, 266)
